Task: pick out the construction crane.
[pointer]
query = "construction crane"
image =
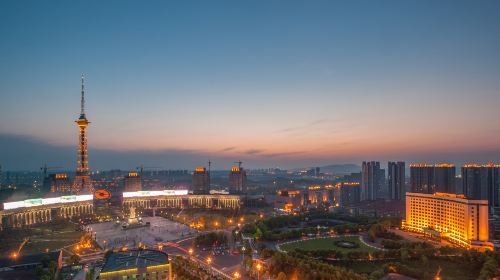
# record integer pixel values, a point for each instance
(18, 252)
(44, 169)
(142, 167)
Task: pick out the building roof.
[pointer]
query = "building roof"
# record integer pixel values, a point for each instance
(134, 259)
(24, 260)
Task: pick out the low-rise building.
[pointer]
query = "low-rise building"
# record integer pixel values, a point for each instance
(137, 264)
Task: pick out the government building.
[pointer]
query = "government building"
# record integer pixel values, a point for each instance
(449, 216)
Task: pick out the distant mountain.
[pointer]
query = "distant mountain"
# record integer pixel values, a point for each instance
(340, 169)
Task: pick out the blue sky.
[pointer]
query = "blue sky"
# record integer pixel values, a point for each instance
(285, 83)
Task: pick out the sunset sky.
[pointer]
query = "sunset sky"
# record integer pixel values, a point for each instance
(273, 83)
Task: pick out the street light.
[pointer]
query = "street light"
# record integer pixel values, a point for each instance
(258, 271)
(236, 275)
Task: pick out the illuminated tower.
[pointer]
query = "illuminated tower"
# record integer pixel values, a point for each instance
(82, 183)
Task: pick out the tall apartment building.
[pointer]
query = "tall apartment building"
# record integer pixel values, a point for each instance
(372, 180)
(346, 193)
(237, 180)
(132, 182)
(396, 180)
(450, 216)
(58, 183)
(431, 178)
(201, 181)
(482, 182)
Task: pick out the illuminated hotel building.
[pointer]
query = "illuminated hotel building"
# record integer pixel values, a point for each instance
(137, 264)
(82, 182)
(482, 182)
(431, 178)
(132, 182)
(237, 180)
(453, 217)
(372, 180)
(201, 181)
(396, 180)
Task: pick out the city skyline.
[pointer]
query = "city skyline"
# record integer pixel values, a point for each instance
(172, 93)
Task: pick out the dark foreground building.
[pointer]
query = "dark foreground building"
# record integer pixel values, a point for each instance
(137, 264)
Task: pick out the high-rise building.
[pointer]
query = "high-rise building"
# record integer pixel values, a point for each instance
(482, 182)
(237, 180)
(431, 178)
(396, 180)
(58, 183)
(132, 182)
(372, 180)
(346, 193)
(201, 181)
(451, 216)
(82, 182)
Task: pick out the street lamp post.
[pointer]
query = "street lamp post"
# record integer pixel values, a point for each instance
(243, 253)
(209, 261)
(258, 271)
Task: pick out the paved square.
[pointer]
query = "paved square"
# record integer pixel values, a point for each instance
(112, 236)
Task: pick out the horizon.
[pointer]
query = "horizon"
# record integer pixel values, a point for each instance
(312, 85)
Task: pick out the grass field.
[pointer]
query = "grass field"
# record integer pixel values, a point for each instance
(327, 244)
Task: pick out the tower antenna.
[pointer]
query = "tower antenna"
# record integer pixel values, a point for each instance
(82, 104)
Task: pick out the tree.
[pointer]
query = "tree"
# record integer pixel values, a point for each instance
(281, 276)
(73, 260)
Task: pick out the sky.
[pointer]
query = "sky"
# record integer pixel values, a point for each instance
(272, 83)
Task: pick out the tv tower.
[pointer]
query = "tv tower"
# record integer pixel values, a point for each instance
(82, 182)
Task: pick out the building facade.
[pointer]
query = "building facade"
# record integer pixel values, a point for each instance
(183, 201)
(396, 180)
(237, 180)
(461, 221)
(372, 180)
(431, 178)
(201, 181)
(482, 182)
(137, 264)
(31, 212)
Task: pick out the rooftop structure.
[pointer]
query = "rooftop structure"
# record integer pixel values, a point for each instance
(137, 264)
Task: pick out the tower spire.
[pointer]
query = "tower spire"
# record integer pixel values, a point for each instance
(82, 104)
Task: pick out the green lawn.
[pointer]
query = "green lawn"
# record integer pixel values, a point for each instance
(327, 244)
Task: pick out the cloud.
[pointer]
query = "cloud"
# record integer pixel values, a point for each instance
(303, 127)
(253, 151)
(227, 149)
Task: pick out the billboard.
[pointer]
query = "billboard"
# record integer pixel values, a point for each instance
(155, 193)
(45, 201)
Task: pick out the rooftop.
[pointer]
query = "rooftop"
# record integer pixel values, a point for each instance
(23, 260)
(134, 259)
